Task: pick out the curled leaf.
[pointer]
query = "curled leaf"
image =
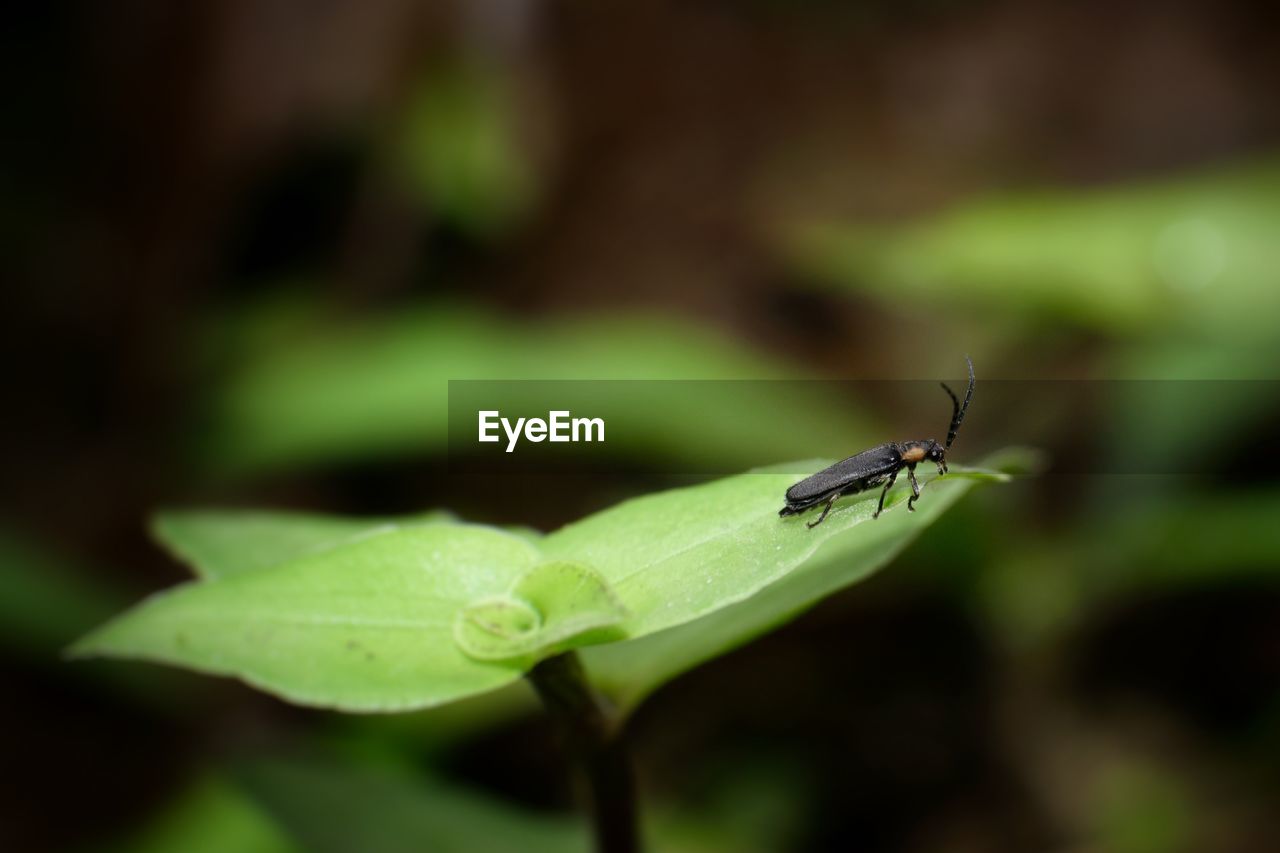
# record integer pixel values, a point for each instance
(546, 607)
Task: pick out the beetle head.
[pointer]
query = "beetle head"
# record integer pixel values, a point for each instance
(937, 454)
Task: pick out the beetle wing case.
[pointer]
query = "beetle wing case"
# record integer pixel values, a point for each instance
(848, 475)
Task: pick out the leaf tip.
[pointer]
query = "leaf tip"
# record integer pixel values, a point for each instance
(94, 644)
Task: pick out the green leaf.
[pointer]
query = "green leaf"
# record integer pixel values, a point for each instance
(413, 616)
(809, 571)
(216, 543)
(1197, 252)
(319, 393)
(364, 626)
(675, 556)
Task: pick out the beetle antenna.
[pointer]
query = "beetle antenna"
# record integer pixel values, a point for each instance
(958, 409)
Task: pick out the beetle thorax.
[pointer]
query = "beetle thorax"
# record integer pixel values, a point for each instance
(913, 452)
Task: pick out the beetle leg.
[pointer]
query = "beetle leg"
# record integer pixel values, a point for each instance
(915, 488)
(826, 509)
(887, 485)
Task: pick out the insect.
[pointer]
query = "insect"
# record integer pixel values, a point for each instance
(881, 464)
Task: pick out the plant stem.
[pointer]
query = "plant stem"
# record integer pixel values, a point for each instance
(594, 737)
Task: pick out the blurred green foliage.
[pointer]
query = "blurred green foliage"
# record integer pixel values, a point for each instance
(1143, 809)
(1168, 278)
(212, 816)
(1041, 588)
(315, 392)
(44, 599)
(460, 152)
(1193, 256)
(331, 806)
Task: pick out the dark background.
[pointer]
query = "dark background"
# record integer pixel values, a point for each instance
(246, 244)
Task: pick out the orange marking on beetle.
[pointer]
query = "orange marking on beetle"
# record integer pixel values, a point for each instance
(915, 454)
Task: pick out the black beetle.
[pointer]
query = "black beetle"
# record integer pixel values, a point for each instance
(881, 464)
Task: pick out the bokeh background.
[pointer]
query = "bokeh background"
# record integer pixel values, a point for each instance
(247, 244)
